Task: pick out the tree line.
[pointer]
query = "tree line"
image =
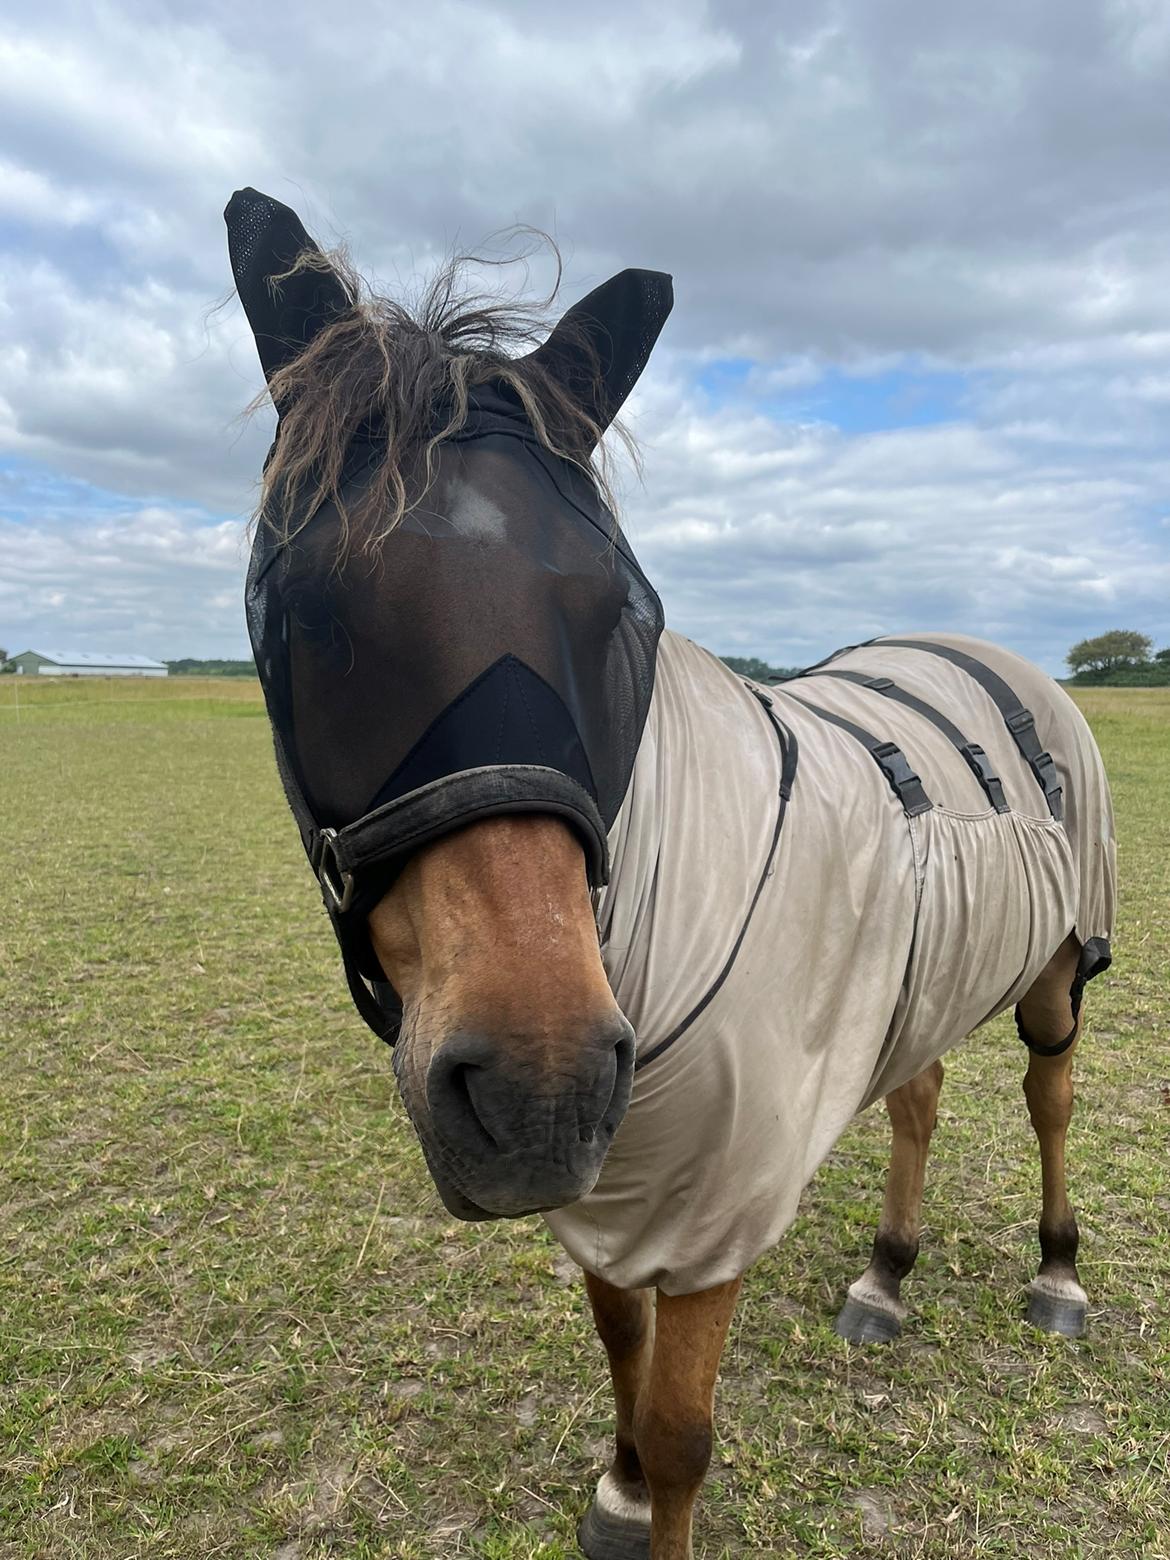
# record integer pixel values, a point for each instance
(1121, 657)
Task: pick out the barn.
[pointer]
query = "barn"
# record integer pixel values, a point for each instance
(84, 663)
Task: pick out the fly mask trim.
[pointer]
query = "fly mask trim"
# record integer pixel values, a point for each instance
(402, 826)
(789, 758)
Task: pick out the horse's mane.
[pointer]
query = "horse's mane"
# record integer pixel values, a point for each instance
(402, 374)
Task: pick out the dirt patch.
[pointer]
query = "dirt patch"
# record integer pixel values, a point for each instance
(1082, 1419)
(875, 1513)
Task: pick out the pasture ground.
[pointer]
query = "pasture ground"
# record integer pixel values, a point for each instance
(235, 1321)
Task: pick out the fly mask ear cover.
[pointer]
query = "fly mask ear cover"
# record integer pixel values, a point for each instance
(498, 654)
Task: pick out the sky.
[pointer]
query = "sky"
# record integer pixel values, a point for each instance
(918, 370)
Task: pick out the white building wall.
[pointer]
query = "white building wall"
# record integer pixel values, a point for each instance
(101, 671)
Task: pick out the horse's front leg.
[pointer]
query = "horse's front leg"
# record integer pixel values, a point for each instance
(674, 1419)
(673, 1424)
(617, 1524)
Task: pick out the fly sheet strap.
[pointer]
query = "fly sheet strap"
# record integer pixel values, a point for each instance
(789, 758)
(972, 754)
(1019, 721)
(890, 759)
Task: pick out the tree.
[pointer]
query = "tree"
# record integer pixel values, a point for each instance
(751, 666)
(1111, 652)
(1162, 656)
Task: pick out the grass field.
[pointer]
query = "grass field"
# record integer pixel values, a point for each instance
(235, 1320)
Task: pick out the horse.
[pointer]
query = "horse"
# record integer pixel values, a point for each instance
(644, 936)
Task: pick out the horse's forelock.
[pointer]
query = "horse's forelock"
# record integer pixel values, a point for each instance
(382, 370)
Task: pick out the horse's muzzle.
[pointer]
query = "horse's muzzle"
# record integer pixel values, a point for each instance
(517, 1129)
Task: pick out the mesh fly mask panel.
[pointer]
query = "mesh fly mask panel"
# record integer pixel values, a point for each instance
(497, 654)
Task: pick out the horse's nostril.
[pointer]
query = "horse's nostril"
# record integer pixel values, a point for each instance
(622, 1075)
(487, 1099)
(472, 1084)
(596, 1103)
(455, 1093)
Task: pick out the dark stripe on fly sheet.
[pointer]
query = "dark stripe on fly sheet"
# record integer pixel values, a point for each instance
(807, 671)
(972, 754)
(789, 757)
(1019, 721)
(888, 756)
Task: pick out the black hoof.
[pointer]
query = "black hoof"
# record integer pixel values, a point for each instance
(603, 1536)
(861, 1323)
(1052, 1315)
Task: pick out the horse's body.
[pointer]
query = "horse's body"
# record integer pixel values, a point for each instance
(807, 905)
(878, 942)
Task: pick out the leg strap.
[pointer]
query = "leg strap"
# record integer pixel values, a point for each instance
(1046, 1050)
(1095, 957)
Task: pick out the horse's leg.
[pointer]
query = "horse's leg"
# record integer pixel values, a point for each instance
(673, 1429)
(873, 1311)
(674, 1419)
(617, 1524)
(1046, 1018)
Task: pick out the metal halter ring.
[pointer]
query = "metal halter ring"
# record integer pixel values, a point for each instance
(336, 884)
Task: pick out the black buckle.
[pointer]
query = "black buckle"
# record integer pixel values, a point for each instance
(879, 684)
(895, 763)
(979, 762)
(907, 785)
(1022, 720)
(1044, 768)
(336, 884)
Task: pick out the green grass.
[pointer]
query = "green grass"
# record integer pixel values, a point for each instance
(235, 1321)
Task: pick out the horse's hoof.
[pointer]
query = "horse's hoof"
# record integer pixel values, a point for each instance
(861, 1323)
(615, 1527)
(1054, 1314)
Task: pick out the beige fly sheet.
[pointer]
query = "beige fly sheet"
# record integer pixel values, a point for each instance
(779, 983)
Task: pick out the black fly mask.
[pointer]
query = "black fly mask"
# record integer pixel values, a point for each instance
(496, 655)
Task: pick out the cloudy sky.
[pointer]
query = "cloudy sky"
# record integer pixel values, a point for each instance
(918, 372)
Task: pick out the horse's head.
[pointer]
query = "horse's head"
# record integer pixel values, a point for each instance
(514, 1060)
(457, 650)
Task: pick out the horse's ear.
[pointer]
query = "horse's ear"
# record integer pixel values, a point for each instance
(265, 240)
(602, 343)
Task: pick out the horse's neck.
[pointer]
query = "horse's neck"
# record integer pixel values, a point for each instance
(635, 841)
(687, 842)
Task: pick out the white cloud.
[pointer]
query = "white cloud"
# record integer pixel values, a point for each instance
(786, 552)
(153, 581)
(974, 190)
(124, 386)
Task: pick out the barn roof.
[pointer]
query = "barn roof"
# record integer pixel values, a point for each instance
(96, 658)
